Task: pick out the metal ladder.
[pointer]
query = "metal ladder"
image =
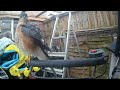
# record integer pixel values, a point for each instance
(64, 72)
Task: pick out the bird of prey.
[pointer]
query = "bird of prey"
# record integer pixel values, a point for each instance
(29, 38)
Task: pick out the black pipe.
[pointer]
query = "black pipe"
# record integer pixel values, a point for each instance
(83, 62)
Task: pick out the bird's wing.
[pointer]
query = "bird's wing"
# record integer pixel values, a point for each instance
(33, 31)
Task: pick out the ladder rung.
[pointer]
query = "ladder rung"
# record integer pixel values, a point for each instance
(60, 37)
(58, 54)
(58, 71)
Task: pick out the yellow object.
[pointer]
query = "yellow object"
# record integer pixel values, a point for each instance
(26, 72)
(36, 69)
(14, 71)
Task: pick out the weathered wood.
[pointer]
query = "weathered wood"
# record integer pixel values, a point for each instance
(30, 18)
(40, 13)
(90, 19)
(97, 24)
(95, 20)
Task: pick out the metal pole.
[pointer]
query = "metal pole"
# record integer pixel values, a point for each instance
(68, 34)
(112, 64)
(12, 28)
(67, 43)
(54, 29)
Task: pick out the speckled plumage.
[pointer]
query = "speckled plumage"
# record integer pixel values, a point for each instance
(29, 39)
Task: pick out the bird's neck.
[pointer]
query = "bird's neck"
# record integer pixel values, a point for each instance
(23, 21)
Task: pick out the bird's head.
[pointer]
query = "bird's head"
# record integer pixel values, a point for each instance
(23, 17)
(23, 14)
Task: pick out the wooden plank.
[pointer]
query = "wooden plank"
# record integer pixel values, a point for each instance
(104, 18)
(95, 19)
(116, 17)
(107, 28)
(30, 18)
(107, 20)
(89, 18)
(81, 20)
(76, 21)
(98, 19)
(92, 22)
(109, 17)
(84, 19)
(101, 19)
(89, 24)
(40, 13)
(112, 13)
